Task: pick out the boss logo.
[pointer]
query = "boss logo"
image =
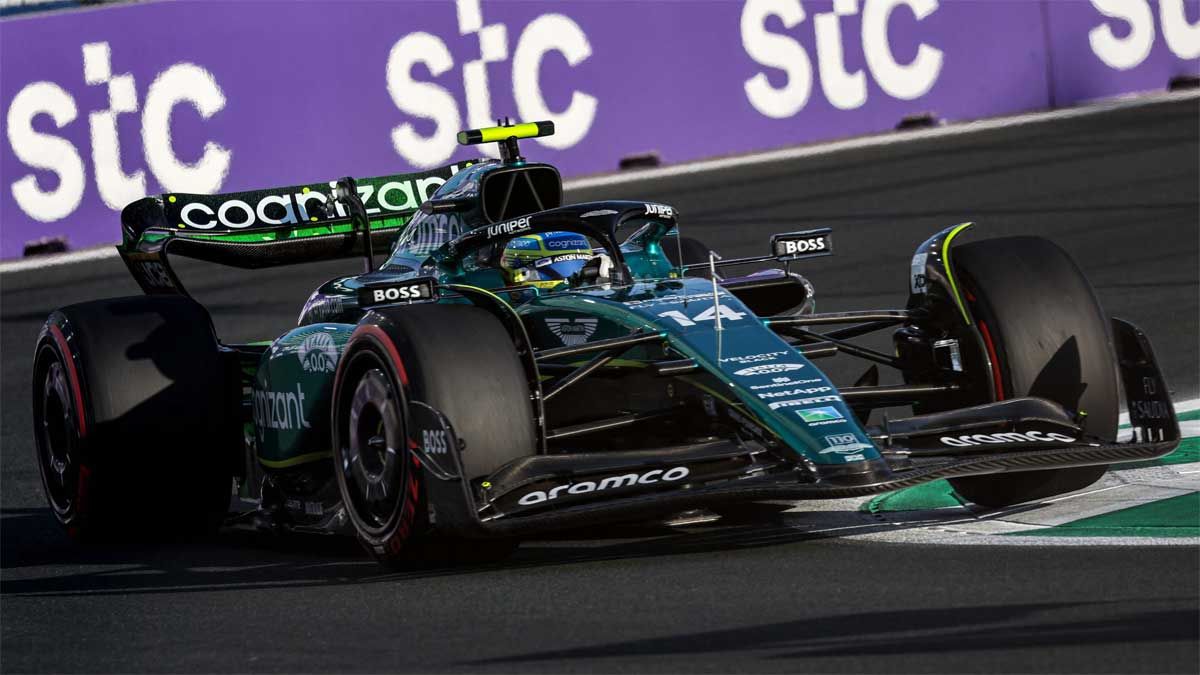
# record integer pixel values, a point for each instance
(434, 441)
(404, 292)
(798, 244)
(396, 293)
(792, 247)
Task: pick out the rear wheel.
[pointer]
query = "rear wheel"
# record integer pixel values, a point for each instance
(456, 358)
(133, 418)
(1047, 336)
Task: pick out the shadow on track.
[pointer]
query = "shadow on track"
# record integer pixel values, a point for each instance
(242, 559)
(915, 631)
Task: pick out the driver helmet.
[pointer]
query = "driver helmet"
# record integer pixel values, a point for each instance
(544, 260)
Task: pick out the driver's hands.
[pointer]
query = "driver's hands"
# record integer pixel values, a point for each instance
(597, 270)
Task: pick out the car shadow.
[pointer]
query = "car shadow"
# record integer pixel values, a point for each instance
(37, 558)
(900, 632)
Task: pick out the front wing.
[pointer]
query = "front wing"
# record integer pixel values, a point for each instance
(548, 492)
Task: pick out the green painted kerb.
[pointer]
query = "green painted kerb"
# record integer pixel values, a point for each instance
(934, 495)
(939, 495)
(1173, 517)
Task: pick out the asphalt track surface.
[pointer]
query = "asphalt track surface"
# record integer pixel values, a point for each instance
(1120, 191)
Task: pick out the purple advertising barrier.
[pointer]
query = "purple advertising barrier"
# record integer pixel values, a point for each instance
(1102, 48)
(103, 106)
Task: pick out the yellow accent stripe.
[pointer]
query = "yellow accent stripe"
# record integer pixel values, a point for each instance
(298, 459)
(492, 134)
(962, 307)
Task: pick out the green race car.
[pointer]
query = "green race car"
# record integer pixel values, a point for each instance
(518, 365)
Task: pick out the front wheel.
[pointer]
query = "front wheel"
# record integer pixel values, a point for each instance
(1046, 336)
(378, 475)
(458, 359)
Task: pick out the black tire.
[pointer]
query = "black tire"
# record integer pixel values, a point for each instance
(686, 251)
(135, 423)
(1051, 339)
(458, 359)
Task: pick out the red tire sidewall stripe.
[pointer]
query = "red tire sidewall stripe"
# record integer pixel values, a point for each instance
(73, 376)
(388, 346)
(991, 349)
(409, 511)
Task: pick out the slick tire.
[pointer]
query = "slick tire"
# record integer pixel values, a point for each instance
(1039, 315)
(135, 419)
(458, 359)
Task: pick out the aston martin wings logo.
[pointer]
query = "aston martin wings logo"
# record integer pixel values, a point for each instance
(572, 331)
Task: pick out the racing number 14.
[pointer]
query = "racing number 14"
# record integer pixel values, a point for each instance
(707, 315)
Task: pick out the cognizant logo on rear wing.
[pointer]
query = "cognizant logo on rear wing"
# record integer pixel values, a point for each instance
(384, 196)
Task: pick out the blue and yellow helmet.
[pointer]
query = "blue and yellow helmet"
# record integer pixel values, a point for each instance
(544, 260)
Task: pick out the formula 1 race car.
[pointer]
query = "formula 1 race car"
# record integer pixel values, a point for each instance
(434, 403)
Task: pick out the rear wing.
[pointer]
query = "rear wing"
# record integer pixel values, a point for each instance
(265, 228)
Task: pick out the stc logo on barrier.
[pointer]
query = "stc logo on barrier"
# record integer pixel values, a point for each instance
(545, 34)
(844, 90)
(414, 61)
(1122, 37)
(180, 84)
(1137, 36)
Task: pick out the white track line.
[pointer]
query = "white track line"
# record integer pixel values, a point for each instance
(59, 259)
(756, 159)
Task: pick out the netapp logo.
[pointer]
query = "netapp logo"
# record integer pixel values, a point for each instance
(628, 480)
(1010, 437)
(280, 410)
(503, 229)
